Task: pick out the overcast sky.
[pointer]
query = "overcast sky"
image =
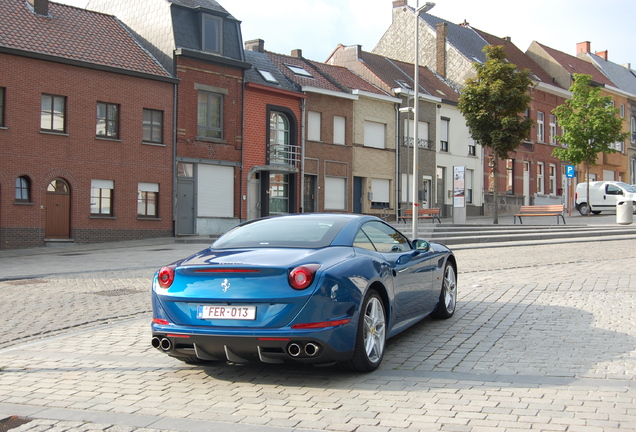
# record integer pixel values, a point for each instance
(318, 26)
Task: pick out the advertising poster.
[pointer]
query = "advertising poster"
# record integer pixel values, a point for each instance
(459, 192)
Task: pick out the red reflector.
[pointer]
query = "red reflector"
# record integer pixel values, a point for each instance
(272, 339)
(225, 270)
(160, 321)
(322, 324)
(178, 336)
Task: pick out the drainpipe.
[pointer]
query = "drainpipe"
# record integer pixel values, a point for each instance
(302, 155)
(242, 197)
(397, 162)
(174, 160)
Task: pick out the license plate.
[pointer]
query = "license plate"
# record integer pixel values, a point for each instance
(226, 312)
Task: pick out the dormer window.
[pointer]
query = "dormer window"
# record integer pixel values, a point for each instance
(298, 70)
(212, 34)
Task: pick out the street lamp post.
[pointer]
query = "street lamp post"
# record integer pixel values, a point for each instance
(418, 12)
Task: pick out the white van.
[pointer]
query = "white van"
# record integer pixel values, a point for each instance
(604, 195)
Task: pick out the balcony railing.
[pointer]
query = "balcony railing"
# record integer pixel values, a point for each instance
(421, 142)
(280, 154)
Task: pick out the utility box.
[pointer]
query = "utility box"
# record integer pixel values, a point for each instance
(624, 212)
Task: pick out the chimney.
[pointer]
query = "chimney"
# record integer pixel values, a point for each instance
(40, 7)
(399, 3)
(440, 53)
(298, 53)
(602, 54)
(257, 45)
(583, 47)
(465, 24)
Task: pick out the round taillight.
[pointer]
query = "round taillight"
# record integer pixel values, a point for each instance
(302, 276)
(165, 277)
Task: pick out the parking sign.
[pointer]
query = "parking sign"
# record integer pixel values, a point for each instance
(569, 171)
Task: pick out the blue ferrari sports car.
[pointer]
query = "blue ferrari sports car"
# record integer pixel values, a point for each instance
(310, 288)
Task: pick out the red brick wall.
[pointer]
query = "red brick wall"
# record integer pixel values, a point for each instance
(78, 156)
(257, 100)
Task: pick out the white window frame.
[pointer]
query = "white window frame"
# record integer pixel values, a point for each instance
(339, 128)
(313, 125)
(540, 178)
(374, 134)
(443, 135)
(540, 127)
(552, 173)
(335, 193)
(553, 129)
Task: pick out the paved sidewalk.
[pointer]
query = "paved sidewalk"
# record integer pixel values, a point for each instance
(544, 338)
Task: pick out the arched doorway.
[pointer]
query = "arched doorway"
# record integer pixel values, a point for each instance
(58, 210)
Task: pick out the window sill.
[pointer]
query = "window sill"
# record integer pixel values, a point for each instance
(101, 138)
(213, 140)
(22, 203)
(3, 128)
(50, 132)
(141, 218)
(102, 217)
(155, 144)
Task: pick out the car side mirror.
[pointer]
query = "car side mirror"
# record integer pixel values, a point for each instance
(421, 245)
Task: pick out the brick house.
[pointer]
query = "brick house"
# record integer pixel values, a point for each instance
(438, 152)
(85, 129)
(562, 66)
(272, 138)
(450, 50)
(200, 43)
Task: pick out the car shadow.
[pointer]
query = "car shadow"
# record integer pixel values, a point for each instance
(482, 339)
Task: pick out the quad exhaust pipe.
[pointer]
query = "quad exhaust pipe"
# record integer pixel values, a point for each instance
(163, 344)
(296, 349)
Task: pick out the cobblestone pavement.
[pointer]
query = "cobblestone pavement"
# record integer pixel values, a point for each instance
(544, 338)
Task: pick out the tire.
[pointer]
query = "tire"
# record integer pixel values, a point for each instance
(370, 337)
(448, 295)
(584, 209)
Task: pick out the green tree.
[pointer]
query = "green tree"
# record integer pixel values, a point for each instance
(492, 104)
(589, 123)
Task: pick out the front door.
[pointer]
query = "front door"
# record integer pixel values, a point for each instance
(309, 191)
(185, 206)
(58, 210)
(357, 194)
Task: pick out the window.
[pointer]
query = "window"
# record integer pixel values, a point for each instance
(2, 90)
(540, 127)
(335, 193)
(22, 189)
(185, 170)
(313, 126)
(148, 200)
(510, 177)
(267, 76)
(540, 188)
(381, 191)
(374, 135)
(210, 114)
(622, 110)
(633, 129)
(338, 130)
(107, 120)
(553, 179)
(53, 114)
(472, 150)
(212, 34)
(153, 126)
(443, 133)
(384, 238)
(279, 151)
(553, 129)
(468, 186)
(299, 70)
(102, 197)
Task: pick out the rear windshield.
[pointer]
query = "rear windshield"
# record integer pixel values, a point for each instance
(287, 232)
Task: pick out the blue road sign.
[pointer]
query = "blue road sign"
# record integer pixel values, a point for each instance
(569, 171)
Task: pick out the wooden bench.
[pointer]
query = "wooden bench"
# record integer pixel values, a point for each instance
(540, 210)
(423, 213)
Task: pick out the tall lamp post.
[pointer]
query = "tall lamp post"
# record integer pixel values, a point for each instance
(419, 10)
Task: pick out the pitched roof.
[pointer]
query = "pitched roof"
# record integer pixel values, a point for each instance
(623, 76)
(398, 74)
(71, 33)
(348, 79)
(574, 64)
(519, 58)
(312, 77)
(463, 38)
(261, 62)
